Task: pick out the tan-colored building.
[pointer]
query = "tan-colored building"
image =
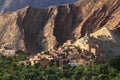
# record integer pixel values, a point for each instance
(9, 52)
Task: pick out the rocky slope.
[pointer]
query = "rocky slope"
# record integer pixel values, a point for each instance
(35, 29)
(12, 5)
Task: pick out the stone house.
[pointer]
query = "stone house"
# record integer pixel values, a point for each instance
(1, 51)
(9, 52)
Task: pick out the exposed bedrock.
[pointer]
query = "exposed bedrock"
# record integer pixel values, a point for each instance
(35, 29)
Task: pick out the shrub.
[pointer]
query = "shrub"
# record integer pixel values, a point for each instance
(115, 63)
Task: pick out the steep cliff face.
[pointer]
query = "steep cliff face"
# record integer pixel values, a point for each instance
(39, 29)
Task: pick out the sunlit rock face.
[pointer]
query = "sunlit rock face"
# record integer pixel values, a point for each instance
(12, 5)
(36, 29)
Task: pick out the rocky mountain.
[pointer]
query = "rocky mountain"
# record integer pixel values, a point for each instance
(12, 5)
(36, 29)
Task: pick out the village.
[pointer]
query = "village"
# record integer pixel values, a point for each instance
(84, 50)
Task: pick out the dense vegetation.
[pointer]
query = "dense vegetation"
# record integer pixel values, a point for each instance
(9, 70)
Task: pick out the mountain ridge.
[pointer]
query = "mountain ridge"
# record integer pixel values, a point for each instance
(12, 5)
(36, 29)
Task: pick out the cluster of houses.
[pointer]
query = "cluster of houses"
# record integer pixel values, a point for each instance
(82, 51)
(44, 59)
(74, 54)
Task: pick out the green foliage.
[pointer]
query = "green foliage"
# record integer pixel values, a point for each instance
(9, 70)
(115, 63)
(117, 77)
